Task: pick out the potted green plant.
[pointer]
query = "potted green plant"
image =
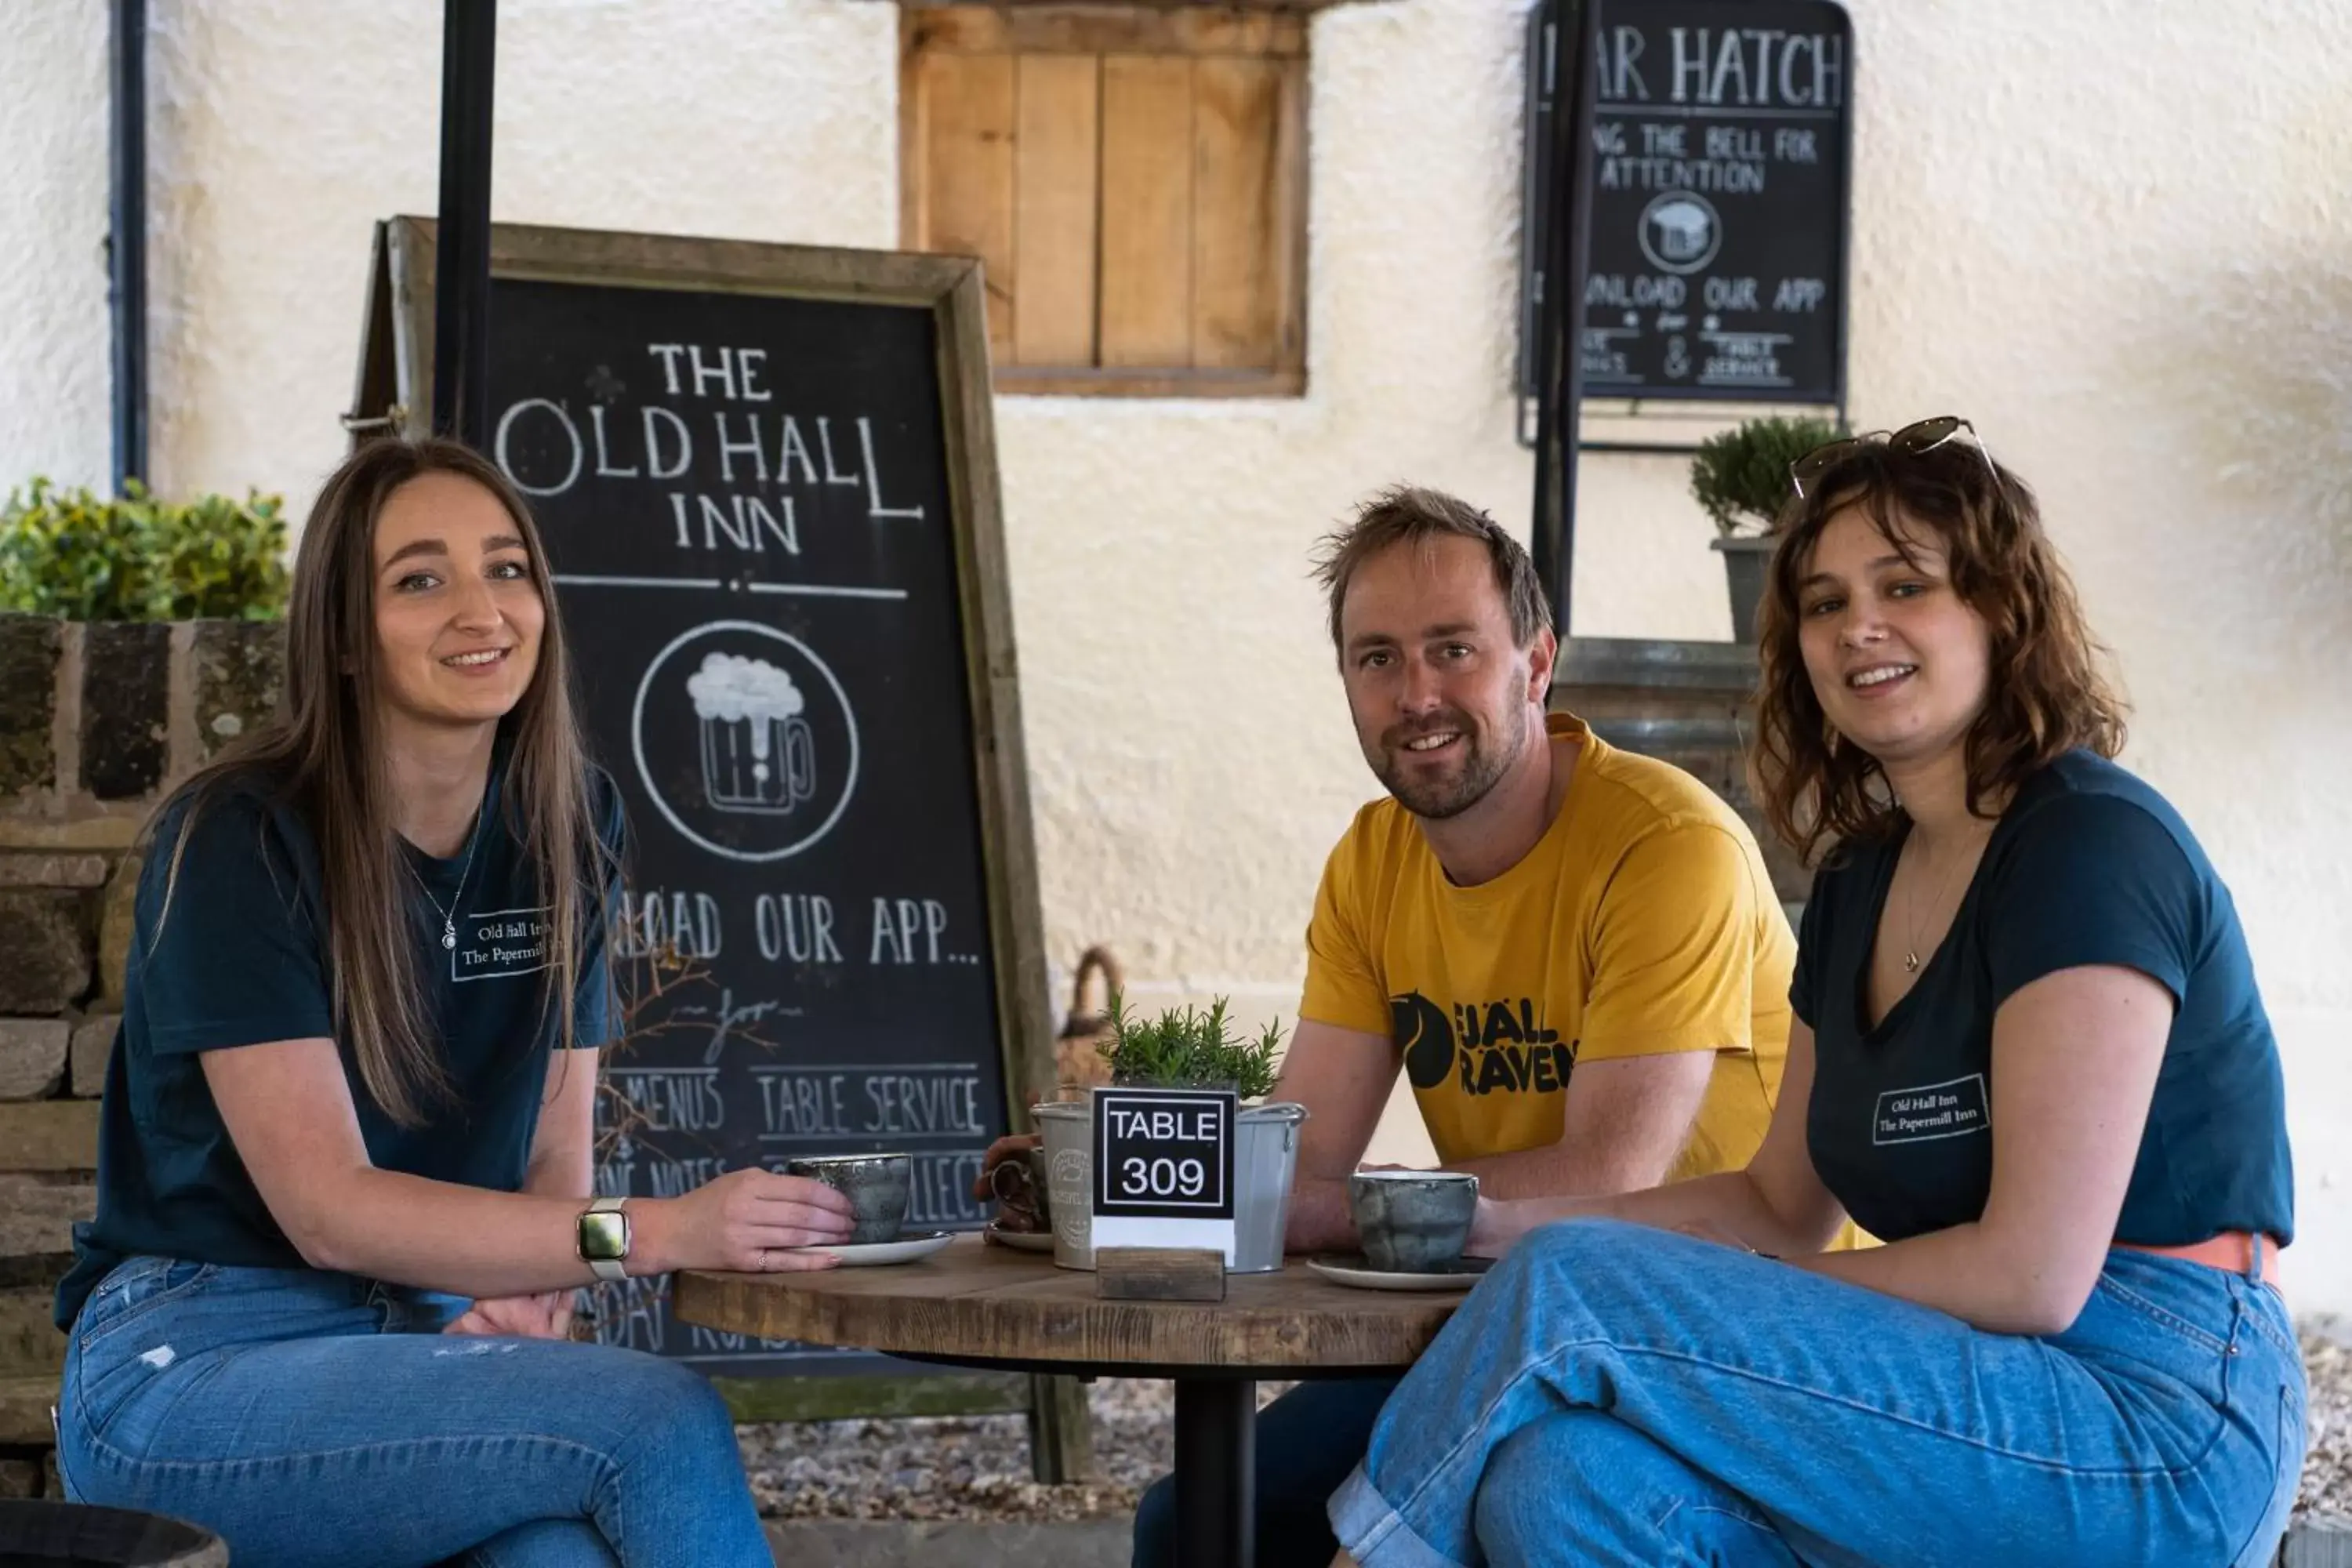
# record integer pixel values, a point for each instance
(1740, 477)
(1183, 1048)
(85, 557)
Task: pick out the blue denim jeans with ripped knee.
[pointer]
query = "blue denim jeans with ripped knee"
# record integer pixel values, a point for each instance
(308, 1417)
(1611, 1394)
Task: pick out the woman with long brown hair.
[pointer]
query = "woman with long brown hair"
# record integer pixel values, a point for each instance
(2030, 1056)
(344, 1171)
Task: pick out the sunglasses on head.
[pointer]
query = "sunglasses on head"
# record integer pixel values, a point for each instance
(1923, 437)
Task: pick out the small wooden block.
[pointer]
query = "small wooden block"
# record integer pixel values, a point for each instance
(1159, 1274)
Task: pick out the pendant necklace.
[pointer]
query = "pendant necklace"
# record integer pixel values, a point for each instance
(1911, 912)
(449, 914)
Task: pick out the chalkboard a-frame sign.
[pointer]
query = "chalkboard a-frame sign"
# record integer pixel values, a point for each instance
(767, 479)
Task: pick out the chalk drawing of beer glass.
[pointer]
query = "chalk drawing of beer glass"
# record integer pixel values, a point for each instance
(757, 752)
(1685, 229)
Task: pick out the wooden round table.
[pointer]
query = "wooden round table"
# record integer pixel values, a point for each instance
(972, 1304)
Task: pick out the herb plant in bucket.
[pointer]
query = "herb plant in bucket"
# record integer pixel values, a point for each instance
(1740, 477)
(1187, 1048)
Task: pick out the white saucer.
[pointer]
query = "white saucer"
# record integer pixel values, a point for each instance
(906, 1249)
(1351, 1269)
(1021, 1241)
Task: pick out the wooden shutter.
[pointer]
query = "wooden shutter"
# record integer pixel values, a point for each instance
(1133, 182)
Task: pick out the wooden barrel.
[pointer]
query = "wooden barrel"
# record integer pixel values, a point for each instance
(75, 1535)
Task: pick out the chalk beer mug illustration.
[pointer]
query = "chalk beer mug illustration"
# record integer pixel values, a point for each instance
(757, 752)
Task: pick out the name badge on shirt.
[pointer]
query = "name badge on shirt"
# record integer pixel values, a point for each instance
(494, 943)
(1952, 1109)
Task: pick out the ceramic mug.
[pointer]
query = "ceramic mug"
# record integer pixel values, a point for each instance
(1413, 1222)
(1022, 1190)
(878, 1188)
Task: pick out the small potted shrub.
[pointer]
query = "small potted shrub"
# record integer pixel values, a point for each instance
(1741, 479)
(1183, 1048)
(83, 557)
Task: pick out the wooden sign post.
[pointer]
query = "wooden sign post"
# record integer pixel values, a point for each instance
(767, 479)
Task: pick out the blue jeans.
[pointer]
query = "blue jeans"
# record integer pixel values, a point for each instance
(1612, 1394)
(1307, 1441)
(309, 1418)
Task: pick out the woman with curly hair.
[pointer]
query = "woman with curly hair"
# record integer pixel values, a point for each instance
(2030, 1056)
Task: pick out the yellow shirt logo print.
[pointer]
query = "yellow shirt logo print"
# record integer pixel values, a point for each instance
(1490, 1045)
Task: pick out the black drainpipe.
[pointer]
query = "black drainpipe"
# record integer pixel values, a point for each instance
(127, 240)
(1574, 32)
(461, 302)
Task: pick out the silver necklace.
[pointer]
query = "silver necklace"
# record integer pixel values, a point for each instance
(449, 914)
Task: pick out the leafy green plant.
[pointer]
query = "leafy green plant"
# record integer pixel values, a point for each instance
(85, 557)
(1742, 474)
(1190, 1049)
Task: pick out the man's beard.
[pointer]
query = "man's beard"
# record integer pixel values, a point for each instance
(1436, 799)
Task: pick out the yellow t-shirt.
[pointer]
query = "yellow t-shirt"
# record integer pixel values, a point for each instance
(1643, 921)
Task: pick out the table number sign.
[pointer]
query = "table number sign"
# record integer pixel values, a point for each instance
(1163, 1173)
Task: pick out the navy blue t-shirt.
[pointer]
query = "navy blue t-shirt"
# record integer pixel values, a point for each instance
(2088, 866)
(242, 959)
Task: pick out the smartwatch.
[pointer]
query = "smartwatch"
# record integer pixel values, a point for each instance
(602, 1239)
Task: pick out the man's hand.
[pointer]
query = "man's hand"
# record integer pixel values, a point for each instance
(1015, 1147)
(1491, 1231)
(546, 1316)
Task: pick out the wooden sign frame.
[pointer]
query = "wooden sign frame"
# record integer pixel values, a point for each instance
(392, 391)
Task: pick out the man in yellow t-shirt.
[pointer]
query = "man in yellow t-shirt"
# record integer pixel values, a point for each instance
(1574, 953)
(1641, 925)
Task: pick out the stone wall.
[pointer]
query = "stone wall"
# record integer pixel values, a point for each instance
(97, 722)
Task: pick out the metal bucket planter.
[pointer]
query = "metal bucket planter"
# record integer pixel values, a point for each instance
(1265, 1158)
(1747, 560)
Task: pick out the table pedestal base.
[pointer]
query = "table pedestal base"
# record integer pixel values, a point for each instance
(1216, 1470)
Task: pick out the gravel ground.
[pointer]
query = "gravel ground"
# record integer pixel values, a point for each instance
(963, 1467)
(2327, 1462)
(978, 1468)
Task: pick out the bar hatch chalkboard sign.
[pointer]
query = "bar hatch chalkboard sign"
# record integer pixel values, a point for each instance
(766, 478)
(1721, 153)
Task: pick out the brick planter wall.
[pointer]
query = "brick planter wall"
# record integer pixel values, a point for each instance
(97, 722)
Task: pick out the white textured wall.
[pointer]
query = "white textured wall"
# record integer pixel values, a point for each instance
(54, 375)
(283, 128)
(1162, 549)
(2110, 231)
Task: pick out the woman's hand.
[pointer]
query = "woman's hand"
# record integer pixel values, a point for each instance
(748, 1222)
(545, 1316)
